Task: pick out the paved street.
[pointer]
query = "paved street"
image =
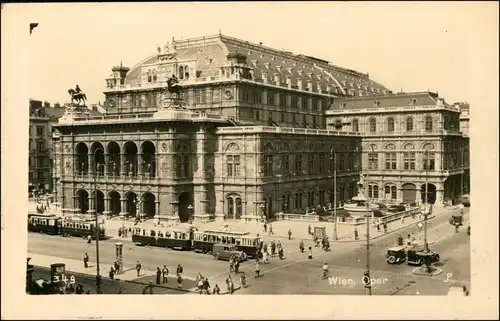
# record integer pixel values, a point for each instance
(295, 274)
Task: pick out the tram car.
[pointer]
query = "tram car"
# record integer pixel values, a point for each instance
(175, 237)
(203, 241)
(80, 228)
(56, 225)
(43, 223)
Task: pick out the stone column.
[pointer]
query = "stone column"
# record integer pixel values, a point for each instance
(91, 204)
(122, 164)
(439, 198)
(91, 164)
(123, 207)
(140, 165)
(157, 208)
(106, 164)
(106, 206)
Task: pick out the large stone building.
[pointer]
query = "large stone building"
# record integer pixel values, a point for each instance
(250, 137)
(253, 142)
(409, 140)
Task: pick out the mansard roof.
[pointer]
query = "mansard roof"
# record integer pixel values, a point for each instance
(400, 99)
(211, 53)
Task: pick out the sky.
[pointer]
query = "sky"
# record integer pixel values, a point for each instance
(405, 46)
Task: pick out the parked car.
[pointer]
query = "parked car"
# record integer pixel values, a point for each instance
(228, 252)
(410, 255)
(396, 208)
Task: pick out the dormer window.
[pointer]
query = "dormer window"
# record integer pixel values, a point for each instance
(149, 75)
(181, 72)
(155, 78)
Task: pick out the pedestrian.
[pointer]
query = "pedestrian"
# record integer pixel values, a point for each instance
(385, 227)
(206, 286)
(257, 270)
(301, 246)
(378, 227)
(237, 267)
(273, 248)
(120, 232)
(158, 275)
(309, 232)
(86, 260)
(310, 256)
(117, 267)
(402, 219)
(179, 281)
(216, 289)
(231, 265)
(89, 239)
(138, 268)
(243, 280)
(228, 283)
(413, 238)
(180, 269)
(111, 273)
(200, 285)
(164, 273)
(355, 233)
(289, 234)
(271, 229)
(88, 292)
(265, 227)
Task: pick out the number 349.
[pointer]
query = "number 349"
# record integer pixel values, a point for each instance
(65, 280)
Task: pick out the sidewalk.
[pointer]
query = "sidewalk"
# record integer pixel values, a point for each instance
(299, 229)
(129, 275)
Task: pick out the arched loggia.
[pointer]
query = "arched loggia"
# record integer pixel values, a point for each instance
(81, 158)
(82, 197)
(148, 151)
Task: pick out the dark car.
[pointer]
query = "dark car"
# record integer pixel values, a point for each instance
(396, 208)
(228, 252)
(410, 255)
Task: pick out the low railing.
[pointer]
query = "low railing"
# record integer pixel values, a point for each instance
(297, 217)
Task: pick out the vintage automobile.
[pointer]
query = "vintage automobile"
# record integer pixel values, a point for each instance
(228, 252)
(457, 219)
(396, 208)
(410, 255)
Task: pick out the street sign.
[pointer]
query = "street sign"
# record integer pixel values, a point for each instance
(420, 225)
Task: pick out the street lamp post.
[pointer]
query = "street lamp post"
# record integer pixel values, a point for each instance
(367, 272)
(97, 227)
(333, 157)
(190, 209)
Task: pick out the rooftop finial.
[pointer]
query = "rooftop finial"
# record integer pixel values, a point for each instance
(219, 32)
(121, 64)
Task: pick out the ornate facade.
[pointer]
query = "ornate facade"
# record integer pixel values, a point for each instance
(409, 140)
(248, 138)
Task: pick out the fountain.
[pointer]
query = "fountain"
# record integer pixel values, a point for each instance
(357, 206)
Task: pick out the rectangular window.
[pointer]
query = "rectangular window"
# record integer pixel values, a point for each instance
(268, 165)
(40, 146)
(321, 164)
(304, 103)
(197, 96)
(310, 199)
(256, 96)
(233, 165)
(409, 160)
(257, 114)
(373, 161)
(322, 197)
(429, 161)
(154, 98)
(341, 162)
(270, 98)
(215, 95)
(285, 163)
(277, 99)
(40, 131)
(185, 166)
(298, 164)
(203, 96)
(139, 100)
(298, 102)
(310, 164)
(282, 117)
(390, 161)
(178, 166)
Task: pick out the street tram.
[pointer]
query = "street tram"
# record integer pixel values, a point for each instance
(43, 223)
(67, 226)
(203, 241)
(176, 237)
(80, 227)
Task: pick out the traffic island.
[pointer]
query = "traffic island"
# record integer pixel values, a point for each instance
(423, 270)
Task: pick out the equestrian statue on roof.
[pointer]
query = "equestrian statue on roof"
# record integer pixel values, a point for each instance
(77, 95)
(174, 87)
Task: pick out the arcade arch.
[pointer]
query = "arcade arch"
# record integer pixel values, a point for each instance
(82, 198)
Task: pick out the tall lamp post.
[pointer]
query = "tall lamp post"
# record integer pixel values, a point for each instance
(97, 227)
(190, 209)
(333, 158)
(426, 205)
(367, 277)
